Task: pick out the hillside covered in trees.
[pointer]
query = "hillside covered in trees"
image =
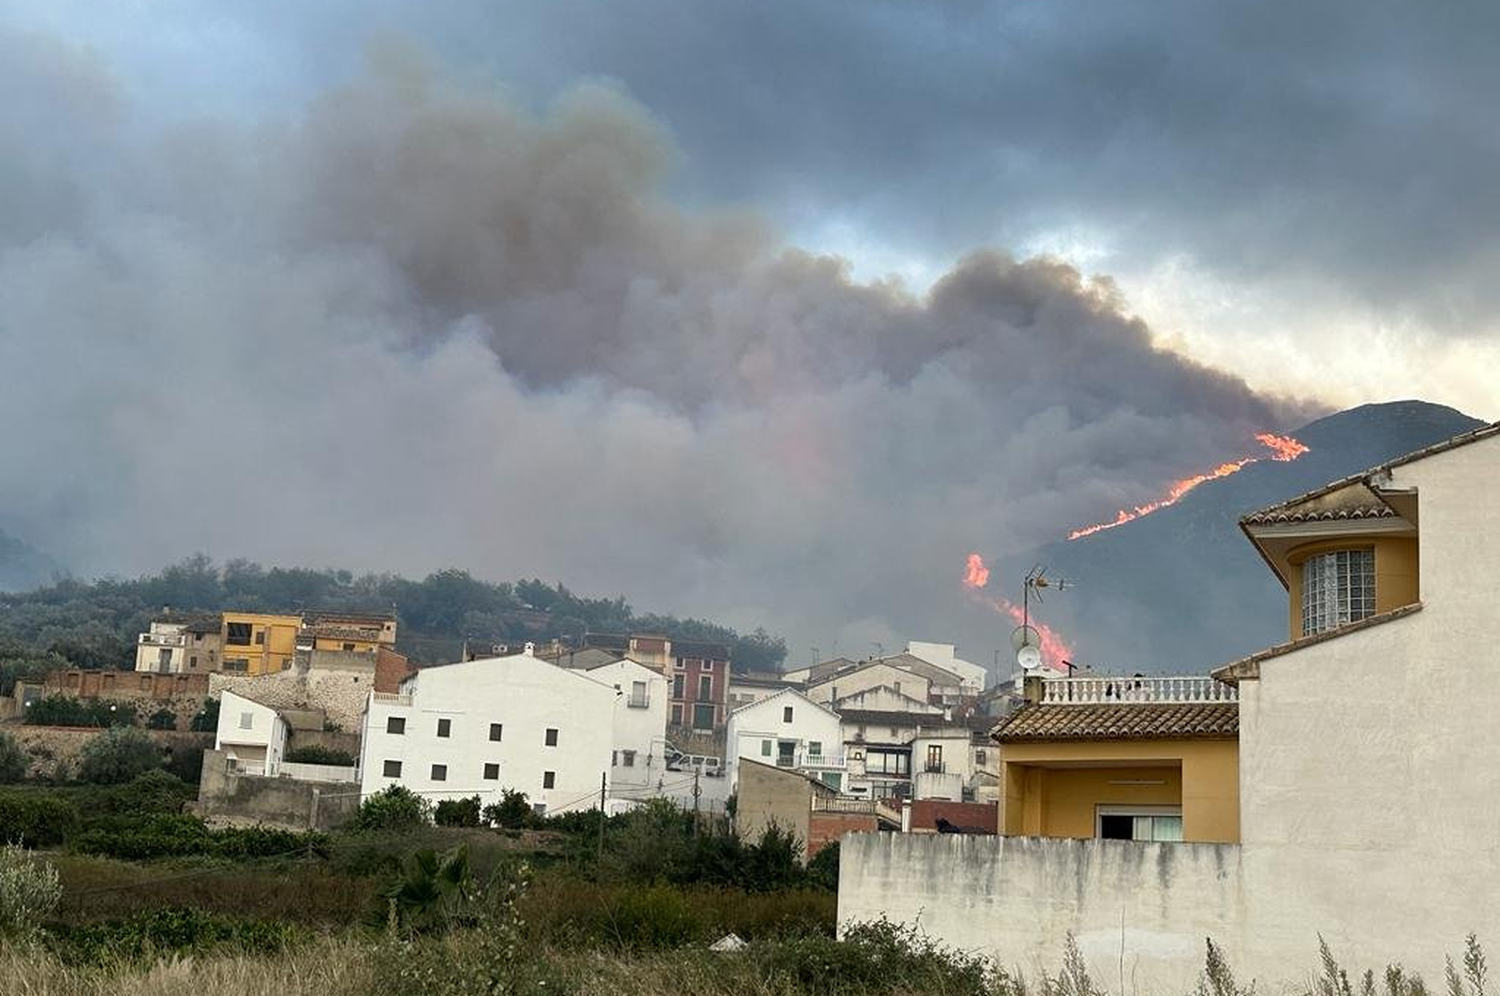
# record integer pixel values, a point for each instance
(94, 625)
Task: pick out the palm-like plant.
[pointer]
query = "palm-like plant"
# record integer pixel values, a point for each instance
(432, 890)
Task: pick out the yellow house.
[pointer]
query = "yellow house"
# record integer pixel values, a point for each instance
(1143, 758)
(1345, 552)
(349, 632)
(257, 642)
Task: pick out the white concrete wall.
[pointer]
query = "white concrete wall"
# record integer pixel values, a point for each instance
(874, 676)
(944, 655)
(1369, 802)
(641, 730)
(526, 696)
(750, 727)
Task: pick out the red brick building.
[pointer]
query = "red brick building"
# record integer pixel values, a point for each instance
(700, 685)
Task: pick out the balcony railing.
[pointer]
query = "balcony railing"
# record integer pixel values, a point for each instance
(822, 760)
(391, 698)
(1107, 691)
(934, 767)
(162, 640)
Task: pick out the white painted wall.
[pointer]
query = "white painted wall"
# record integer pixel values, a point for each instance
(884, 698)
(254, 735)
(1369, 802)
(639, 727)
(526, 696)
(752, 727)
(874, 676)
(944, 655)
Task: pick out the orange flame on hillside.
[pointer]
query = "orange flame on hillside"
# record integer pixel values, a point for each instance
(1055, 650)
(1283, 449)
(976, 575)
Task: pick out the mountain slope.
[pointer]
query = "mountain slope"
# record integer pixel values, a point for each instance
(1182, 589)
(22, 567)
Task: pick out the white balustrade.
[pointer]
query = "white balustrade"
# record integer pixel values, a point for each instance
(1153, 688)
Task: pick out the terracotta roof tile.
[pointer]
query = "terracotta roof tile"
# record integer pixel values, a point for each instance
(1121, 721)
(1271, 516)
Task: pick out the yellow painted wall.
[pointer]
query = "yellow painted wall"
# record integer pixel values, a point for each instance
(278, 649)
(1048, 793)
(337, 643)
(1397, 572)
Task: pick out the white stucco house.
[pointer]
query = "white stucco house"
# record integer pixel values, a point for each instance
(638, 752)
(973, 677)
(787, 730)
(251, 735)
(1368, 788)
(480, 726)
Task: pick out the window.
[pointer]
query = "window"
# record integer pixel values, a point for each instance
(935, 757)
(765, 748)
(392, 769)
(395, 724)
(627, 758)
(705, 686)
(832, 779)
(247, 720)
(678, 683)
(445, 727)
(638, 697)
(193, 661)
(979, 756)
(703, 716)
(551, 737)
(677, 715)
(815, 749)
(539, 808)
(348, 648)
(260, 638)
(236, 664)
(492, 772)
(880, 762)
(440, 772)
(237, 634)
(1159, 823)
(495, 730)
(549, 779)
(680, 665)
(786, 714)
(1337, 588)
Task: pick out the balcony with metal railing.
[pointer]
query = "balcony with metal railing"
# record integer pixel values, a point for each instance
(163, 640)
(1155, 688)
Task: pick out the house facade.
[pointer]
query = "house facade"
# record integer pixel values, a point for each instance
(347, 632)
(251, 735)
(179, 647)
(787, 730)
(639, 753)
(258, 642)
(480, 726)
(700, 686)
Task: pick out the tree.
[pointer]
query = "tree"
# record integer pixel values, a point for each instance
(207, 719)
(163, 719)
(457, 812)
(394, 808)
(432, 889)
(13, 760)
(512, 812)
(118, 755)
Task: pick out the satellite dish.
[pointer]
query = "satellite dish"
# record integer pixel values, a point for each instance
(1029, 657)
(1025, 636)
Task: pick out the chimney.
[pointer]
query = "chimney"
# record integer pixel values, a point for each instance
(530, 649)
(1032, 688)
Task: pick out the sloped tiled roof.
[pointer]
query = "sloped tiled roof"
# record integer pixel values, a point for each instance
(1122, 721)
(1279, 514)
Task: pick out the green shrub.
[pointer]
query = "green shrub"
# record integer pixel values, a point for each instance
(64, 710)
(457, 812)
(118, 755)
(153, 792)
(29, 892)
(512, 812)
(393, 808)
(172, 930)
(646, 919)
(206, 720)
(36, 819)
(318, 754)
(823, 869)
(162, 719)
(169, 835)
(13, 759)
(880, 957)
(185, 762)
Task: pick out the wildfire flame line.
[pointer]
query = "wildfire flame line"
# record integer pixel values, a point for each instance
(1055, 650)
(1283, 449)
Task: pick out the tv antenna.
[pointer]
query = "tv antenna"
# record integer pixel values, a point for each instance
(1026, 641)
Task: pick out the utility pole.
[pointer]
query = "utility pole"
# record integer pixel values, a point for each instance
(696, 792)
(602, 777)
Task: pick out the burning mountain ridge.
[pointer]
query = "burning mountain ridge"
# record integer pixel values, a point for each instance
(1283, 449)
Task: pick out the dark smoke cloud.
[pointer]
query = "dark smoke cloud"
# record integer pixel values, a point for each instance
(414, 324)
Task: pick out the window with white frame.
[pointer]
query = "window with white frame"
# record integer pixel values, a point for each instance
(1158, 823)
(247, 720)
(1337, 588)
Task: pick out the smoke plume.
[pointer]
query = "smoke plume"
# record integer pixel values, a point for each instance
(414, 324)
